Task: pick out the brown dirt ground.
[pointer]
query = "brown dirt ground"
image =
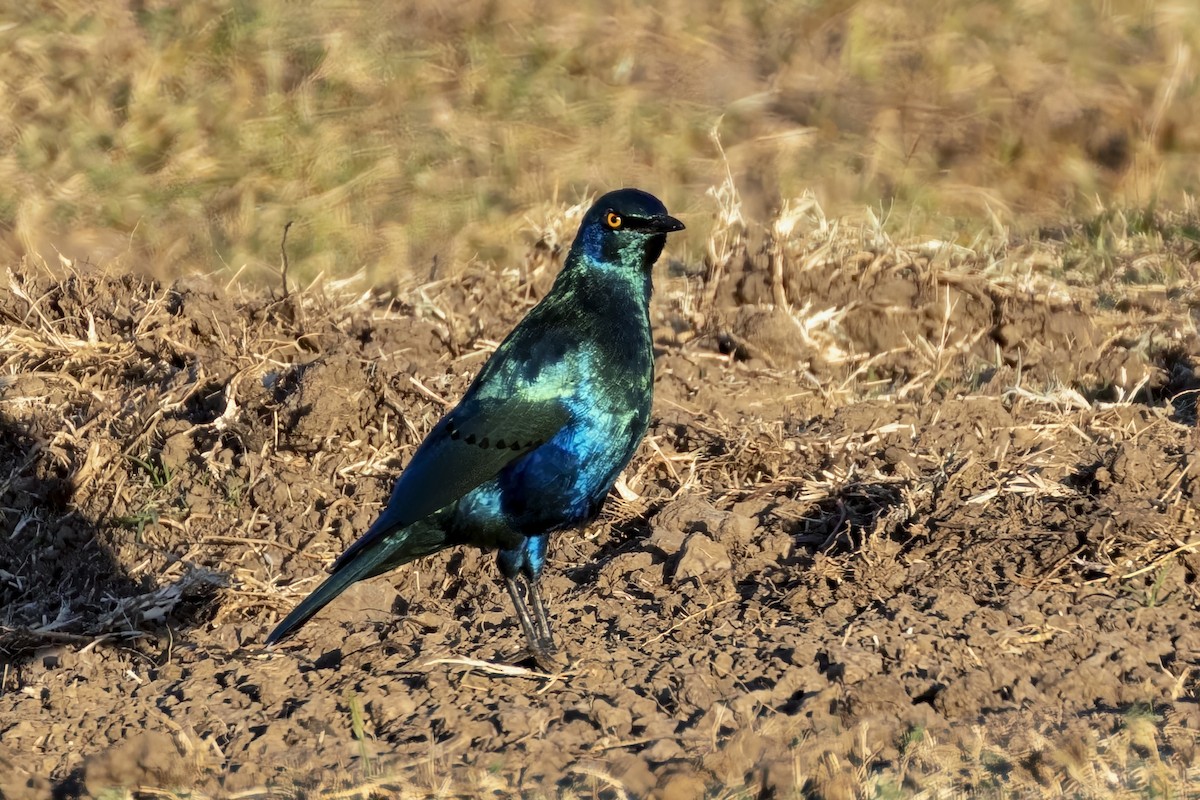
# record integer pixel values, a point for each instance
(939, 533)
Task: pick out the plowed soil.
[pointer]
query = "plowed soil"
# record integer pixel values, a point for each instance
(901, 524)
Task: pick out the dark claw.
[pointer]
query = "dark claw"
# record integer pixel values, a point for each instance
(547, 659)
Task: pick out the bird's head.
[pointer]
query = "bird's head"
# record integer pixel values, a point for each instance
(626, 229)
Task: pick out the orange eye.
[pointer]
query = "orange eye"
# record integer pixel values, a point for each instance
(613, 220)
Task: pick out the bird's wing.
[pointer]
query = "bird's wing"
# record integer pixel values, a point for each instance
(466, 449)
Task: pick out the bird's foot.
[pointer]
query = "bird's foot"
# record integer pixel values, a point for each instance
(544, 656)
(547, 659)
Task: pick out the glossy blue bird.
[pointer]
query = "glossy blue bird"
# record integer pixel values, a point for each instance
(538, 440)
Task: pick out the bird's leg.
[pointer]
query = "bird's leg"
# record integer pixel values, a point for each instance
(539, 614)
(513, 564)
(518, 602)
(542, 648)
(532, 561)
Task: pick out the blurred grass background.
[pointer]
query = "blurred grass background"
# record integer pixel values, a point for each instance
(182, 136)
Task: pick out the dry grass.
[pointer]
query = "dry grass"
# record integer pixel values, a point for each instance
(412, 140)
(1123, 764)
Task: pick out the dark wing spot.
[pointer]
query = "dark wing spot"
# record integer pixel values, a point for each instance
(454, 434)
(471, 439)
(484, 443)
(500, 445)
(516, 446)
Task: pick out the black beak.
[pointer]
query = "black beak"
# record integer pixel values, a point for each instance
(664, 223)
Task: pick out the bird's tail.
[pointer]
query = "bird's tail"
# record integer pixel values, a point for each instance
(380, 554)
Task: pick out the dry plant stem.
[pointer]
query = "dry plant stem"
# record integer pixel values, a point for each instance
(283, 255)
